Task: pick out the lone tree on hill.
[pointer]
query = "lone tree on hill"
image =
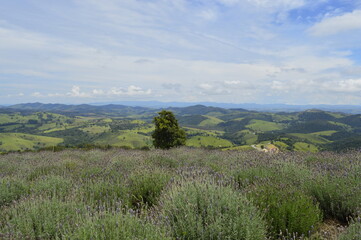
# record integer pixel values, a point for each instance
(167, 133)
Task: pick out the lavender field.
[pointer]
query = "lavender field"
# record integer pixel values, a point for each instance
(180, 194)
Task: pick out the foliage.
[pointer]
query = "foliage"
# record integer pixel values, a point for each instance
(197, 210)
(103, 193)
(74, 194)
(167, 133)
(39, 219)
(353, 232)
(117, 226)
(145, 187)
(11, 190)
(339, 197)
(52, 186)
(288, 211)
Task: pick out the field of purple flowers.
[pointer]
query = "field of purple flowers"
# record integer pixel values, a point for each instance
(180, 194)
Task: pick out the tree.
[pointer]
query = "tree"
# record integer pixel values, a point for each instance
(167, 133)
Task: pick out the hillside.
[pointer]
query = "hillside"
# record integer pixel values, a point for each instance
(210, 127)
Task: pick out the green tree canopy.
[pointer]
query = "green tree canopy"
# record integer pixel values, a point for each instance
(167, 133)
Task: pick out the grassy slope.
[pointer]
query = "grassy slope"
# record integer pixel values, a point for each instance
(127, 138)
(95, 129)
(316, 139)
(324, 133)
(264, 126)
(195, 131)
(305, 147)
(20, 141)
(210, 122)
(248, 136)
(208, 141)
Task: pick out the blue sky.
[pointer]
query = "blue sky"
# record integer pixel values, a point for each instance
(237, 51)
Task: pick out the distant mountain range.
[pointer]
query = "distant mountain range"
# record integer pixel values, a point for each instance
(115, 110)
(129, 107)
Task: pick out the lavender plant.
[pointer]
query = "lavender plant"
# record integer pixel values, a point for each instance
(353, 232)
(199, 210)
(92, 189)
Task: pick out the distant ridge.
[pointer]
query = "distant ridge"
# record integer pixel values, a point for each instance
(151, 106)
(115, 109)
(85, 109)
(354, 109)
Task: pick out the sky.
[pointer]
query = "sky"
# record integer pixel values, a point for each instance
(230, 51)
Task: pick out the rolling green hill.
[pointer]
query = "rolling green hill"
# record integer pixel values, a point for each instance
(46, 125)
(21, 142)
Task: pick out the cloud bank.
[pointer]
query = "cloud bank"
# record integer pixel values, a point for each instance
(262, 51)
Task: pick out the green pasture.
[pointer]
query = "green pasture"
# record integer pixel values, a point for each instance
(316, 139)
(264, 126)
(94, 129)
(210, 122)
(125, 138)
(305, 147)
(324, 133)
(208, 141)
(248, 136)
(196, 131)
(345, 126)
(21, 141)
(281, 145)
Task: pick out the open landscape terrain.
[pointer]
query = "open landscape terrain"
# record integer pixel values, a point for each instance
(180, 120)
(181, 193)
(38, 126)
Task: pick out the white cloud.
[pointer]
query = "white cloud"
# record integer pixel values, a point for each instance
(234, 82)
(208, 14)
(205, 86)
(97, 92)
(76, 92)
(162, 50)
(229, 2)
(36, 94)
(344, 86)
(283, 4)
(130, 91)
(337, 24)
(16, 95)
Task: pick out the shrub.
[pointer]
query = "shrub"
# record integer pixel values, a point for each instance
(339, 197)
(43, 171)
(246, 177)
(285, 173)
(353, 232)
(195, 210)
(288, 211)
(145, 187)
(52, 186)
(11, 190)
(39, 219)
(118, 226)
(163, 162)
(100, 193)
(91, 172)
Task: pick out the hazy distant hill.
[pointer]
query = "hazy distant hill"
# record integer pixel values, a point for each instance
(354, 109)
(200, 109)
(83, 109)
